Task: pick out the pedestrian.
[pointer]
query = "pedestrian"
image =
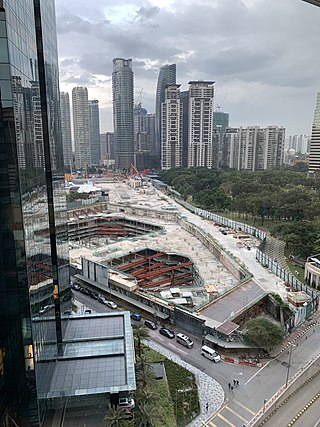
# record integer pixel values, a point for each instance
(237, 382)
(232, 388)
(234, 382)
(229, 385)
(207, 406)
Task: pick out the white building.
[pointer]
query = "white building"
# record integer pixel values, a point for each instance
(80, 108)
(299, 143)
(200, 132)
(171, 128)
(314, 159)
(253, 148)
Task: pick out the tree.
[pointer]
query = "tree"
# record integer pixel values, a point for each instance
(140, 333)
(145, 378)
(117, 417)
(263, 332)
(148, 415)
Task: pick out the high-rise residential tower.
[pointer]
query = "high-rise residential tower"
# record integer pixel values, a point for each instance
(314, 159)
(184, 98)
(200, 147)
(34, 266)
(253, 148)
(122, 93)
(167, 75)
(81, 134)
(66, 128)
(171, 129)
(94, 132)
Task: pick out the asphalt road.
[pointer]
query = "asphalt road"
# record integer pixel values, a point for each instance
(255, 385)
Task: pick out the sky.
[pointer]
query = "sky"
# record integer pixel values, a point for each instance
(264, 55)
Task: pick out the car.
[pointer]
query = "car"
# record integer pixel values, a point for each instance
(67, 313)
(101, 299)
(126, 402)
(167, 332)
(111, 304)
(136, 316)
(151, 325)
(93, 295)
(184, 340)
(87, 311)
(75, 286)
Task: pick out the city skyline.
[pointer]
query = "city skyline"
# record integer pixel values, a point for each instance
(242, 59)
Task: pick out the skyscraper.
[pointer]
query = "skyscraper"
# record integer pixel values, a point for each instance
(220, 123)
(171, 129)
(253, 148)
(66, 128)
(34, 264)
(314, 159)
(200, 147)
(184, 98)
(167, 76)
(80, 109)
(94, 132)
(122, 92)
(151, 131)
(140, 128)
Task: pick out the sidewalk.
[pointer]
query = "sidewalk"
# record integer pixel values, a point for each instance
(209, 390)
(296, 335)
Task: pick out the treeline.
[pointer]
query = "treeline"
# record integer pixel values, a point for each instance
(284, 196)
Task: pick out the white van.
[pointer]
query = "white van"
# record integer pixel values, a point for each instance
(184, 340)
(210, 354)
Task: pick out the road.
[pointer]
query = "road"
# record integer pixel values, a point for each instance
(255, 385)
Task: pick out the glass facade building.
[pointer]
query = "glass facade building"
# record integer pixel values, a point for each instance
(66, 129)
(167, 76)
(34, 264)
(94, 131)
(122, 93)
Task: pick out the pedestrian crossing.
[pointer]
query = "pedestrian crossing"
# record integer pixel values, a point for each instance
(233, 414)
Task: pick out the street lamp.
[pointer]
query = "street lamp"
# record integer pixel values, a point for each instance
(289, 363)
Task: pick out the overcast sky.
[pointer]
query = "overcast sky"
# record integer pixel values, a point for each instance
(264, 55)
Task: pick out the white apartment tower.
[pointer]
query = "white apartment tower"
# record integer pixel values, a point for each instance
(314, 159)
(171, 128)
(66, 128)
(253, 148)
(200, 144)
(81, 132)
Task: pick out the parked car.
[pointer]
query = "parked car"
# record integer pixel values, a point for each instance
(75, 286)
(167, 332)
(87, 311)
(151, 325)
(136, 316)
(94, 295)
(101, 299)
(126, 402)
(184, 340)
(111, 304)
(210, 354)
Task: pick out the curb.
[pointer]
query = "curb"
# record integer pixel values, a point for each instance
(301, 334)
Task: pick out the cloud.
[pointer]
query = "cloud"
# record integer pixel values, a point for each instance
(264, 51)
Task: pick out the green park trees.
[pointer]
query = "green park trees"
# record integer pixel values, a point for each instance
(285, 197)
